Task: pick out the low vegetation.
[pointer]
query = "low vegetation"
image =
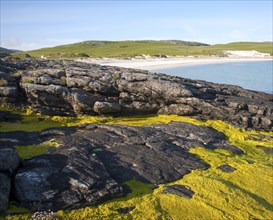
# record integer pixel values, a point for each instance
(243, 194)
(28, 151)
(124, 49)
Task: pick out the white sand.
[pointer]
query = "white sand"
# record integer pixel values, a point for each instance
(149, 63)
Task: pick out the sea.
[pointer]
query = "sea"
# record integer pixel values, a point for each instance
(256, 75)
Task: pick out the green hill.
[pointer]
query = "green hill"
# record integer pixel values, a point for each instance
(5, 52)
(148, 47)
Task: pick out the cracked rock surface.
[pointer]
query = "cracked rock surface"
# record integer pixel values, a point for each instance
(62, 87)
(94, 161)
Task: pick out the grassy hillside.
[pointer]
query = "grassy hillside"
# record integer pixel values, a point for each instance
(135, 48)
(5, 52)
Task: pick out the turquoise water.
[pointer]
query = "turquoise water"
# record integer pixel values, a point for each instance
(249, 75)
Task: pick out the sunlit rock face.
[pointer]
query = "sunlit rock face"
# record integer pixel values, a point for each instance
(60, 87)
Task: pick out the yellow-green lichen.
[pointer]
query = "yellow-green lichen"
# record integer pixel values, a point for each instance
(28, 151)
(246, 193)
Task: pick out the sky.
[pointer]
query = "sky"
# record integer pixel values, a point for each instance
(28, 25)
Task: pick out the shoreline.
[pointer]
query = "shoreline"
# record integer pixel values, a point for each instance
(152, 64)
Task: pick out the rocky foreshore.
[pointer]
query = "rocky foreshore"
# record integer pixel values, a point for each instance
(94, 161)
(61, 87)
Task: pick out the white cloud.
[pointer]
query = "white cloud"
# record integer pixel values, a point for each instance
(15, 43)
(19, 45)
(11, 43)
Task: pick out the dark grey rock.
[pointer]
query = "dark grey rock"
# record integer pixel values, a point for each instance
(4, 192)
(126, 210)
(9, 160)
(227, 168)
(106, 107)
(10, 117)
(68, 178)
(268, 150)
(61, 87)
(23, 138)
(95, 159)
(179, 190)
(154, 154)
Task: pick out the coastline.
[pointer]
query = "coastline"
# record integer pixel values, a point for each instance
(170, 62)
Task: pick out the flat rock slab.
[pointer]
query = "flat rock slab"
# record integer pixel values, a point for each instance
(153, 154)
(95, 159)
(227, 168)
(179, 190)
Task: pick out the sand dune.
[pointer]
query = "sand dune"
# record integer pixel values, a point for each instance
(151, 63)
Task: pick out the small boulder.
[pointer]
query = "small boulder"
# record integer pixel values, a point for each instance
(179, 190)
(178, 109)
(126, 210)
(27, 55)
(106, 107)
(227, 168)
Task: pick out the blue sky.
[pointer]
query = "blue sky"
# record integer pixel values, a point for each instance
(33, 24)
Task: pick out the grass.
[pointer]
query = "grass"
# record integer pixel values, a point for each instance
(30, 123)
(134, 48)
(28, 151)
(246, 193)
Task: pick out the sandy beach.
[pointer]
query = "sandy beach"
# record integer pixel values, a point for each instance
(152, 63)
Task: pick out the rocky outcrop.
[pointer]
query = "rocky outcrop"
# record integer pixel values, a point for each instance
(9, 162)
(95, 160)
(63, 87)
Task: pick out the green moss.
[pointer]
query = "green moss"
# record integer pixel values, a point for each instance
(28, 151)
(14, 208)
(63, 80)
(138, 189)
(30, 122)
